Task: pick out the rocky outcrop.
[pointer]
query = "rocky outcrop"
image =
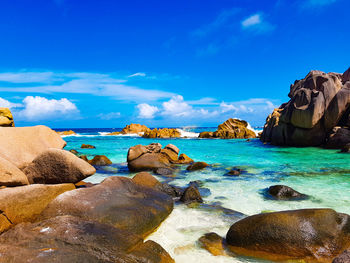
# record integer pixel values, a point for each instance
(191, 195)
(318, 103)
(132, 129)
(145, 179)
(117, 201)
(184, 159)
(100, 160)
(10, 175)
(65, 133)
(283, 192)
(197, 166)
(67, 239)
(153, 157)
(25, 203)
(313, 235)
(87, 146)
(6, 118)
(162, 133)
(231, 129)
(55, 166)
(22, 145)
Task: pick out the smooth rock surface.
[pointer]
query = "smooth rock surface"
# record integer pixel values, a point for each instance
(197, 166)
(100, 160)
(133, 128)
(10, 175)
(162, 133)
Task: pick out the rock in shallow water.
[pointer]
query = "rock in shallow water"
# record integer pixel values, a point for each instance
(284, 192)
(308, 234)
(87, 146)
(100, 160)
(214, 243)
(197, 166)
(191, 195)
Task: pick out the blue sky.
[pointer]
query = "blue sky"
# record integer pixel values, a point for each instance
(75, 63)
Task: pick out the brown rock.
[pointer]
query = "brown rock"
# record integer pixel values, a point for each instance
(231, 129)
(87, 146)
(145, 179)
(25, 203)
(22, 145)
(10, 175)
(313, 235)
(343, 257)
(197, 166)
(338, 138)
(100, 160)
(6, 118)
(206, 135)
(191, 195)
(56, 166)
(171, 155)
(173, 148)
(213, 243)
(346, 76)
(283, 192)
(162, 133)
(184, 159)
(70, 132)
(74, 151)
(84, 157)
(121, 203)
(132, 129)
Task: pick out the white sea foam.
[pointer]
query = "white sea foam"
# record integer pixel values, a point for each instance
(121, 135)
(188, 134)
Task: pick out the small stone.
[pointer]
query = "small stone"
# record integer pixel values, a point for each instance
(87, 146)
(191, 195)
(197, 166)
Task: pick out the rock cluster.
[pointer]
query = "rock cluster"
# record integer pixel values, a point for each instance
(231, 129)
(318, 113)
(6, 118)
(153, 157)
(162, 133)
(70, 132)
(132, 129)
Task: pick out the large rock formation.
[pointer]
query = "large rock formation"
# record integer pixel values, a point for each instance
(132, 129)
(231, 129)
(318, 103)
(162, 133)
(313, 235)
(65, 133)
(152, 157)
(6, 118)
(117, 201)
(55, 166)
(10, 175)
(22, 145)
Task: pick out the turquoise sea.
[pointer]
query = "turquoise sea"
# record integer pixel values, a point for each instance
(322, 174)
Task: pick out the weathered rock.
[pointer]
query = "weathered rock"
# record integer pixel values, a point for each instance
(231, 129)
(318, 103)
(10, 175)
(284, 192)
(25, 203)
(162, 133)
(22, 145)
(84, 157)
(235, 171)
(74, 151)
(343, 257)
(197, 166)
(313, 235)
(87, 146)
(56, 166)
(191, 195)
(70, 132)
(213, 243)
(346, 148)
(170, 154)
(184, 159)
(71, 239)
(132, 129)
(338, 138)
(120, 203)
(173, 148)
(164, 171)
(100, 160)
(171, 190)
(145, 179)
(6, 118)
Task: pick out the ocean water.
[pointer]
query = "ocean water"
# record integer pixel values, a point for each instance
(322, 174)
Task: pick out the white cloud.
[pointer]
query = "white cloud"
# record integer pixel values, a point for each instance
(138, 74)
(109, 116)
(252, 20)
(176, 107)
(146, 111)
(7, 104)
(40, 108)
(257, 24)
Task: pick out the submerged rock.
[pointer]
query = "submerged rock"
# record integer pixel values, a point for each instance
(213, 243)
(56, 166)
(87, 146)
(284, 192)
(231, 129)
(6, 118)
(197, 166)
(164, 171)
(308, 234)
(117, 201)
(100, 160)
(191, 195)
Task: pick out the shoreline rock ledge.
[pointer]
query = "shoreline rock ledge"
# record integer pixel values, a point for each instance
(317, 114)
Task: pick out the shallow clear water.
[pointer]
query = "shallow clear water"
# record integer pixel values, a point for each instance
(322, 174)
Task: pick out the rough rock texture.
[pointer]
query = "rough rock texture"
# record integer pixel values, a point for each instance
(22, 145)
(67, 239)
(191, 195)
(70, 132)
(132, 129)
(318, 103)
(117, 201)
(56, 166)
(338, 138)
(87, 146)
(197, 166)
(153, 157)
(25, 203)
(235, 171)
(343, 257)
(184, 159)
(100, 160)
(10, 175)
(231, 129)
(314, 235)
(213, 243)
(6, 118)
(284, 192)
(162, 133)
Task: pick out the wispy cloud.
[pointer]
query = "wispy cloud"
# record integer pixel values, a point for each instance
(109, 116)
(256, 23)
(138, 74)
(146, 111)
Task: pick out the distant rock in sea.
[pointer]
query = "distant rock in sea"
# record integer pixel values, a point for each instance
(318, 113)
(6, 118)
(231, 129)
(70, 132)
(133, 128)
(162, 133)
